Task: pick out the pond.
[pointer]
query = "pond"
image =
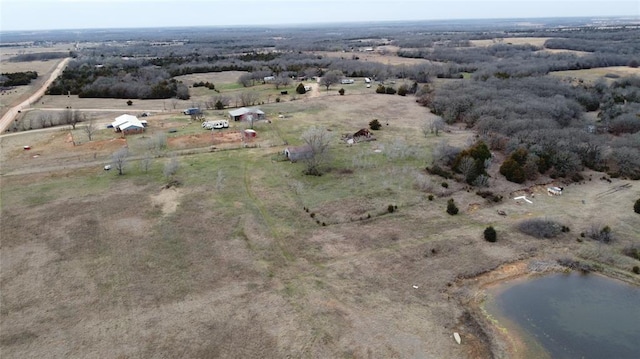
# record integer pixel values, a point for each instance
(569, 316)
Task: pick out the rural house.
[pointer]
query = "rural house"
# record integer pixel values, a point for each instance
(243, 112)
(128, 124)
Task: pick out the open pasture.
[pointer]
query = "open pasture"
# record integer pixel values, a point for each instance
(248, 256)
(609, 74)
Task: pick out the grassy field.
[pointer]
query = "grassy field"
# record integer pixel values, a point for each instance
(248, 257)
(609, 74)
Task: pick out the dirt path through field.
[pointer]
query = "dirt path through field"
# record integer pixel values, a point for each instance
(13, 112)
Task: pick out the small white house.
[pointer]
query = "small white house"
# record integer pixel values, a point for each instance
(128, 124)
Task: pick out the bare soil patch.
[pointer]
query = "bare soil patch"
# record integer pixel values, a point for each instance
(167, 199)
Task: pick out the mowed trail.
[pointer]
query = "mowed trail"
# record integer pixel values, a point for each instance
(13, 112)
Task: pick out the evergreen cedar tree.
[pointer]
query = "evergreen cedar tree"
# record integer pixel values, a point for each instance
(375, 125)
(490, 234)
(452, 209)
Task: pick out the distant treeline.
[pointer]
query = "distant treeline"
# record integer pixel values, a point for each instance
(17, 78)
(41, 56)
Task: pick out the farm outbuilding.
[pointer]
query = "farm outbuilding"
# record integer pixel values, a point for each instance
(298, 153)
(242, 113)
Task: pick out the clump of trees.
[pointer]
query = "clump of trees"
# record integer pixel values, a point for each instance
(17, 78)
(42, 56)
(117, 78)
(520, 166)
(472, 162)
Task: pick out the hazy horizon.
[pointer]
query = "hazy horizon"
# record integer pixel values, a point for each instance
(121, 14)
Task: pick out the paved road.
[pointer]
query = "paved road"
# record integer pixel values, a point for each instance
(8, 117)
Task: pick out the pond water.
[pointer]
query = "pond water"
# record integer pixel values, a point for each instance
(570, 316)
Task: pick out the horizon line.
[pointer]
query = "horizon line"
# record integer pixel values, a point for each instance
(337, 23)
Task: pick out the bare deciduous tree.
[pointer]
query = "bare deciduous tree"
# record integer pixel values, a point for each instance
(145, 163)
(90, 128)
(70, 117)
(246, 80)
(120, 160)
(248, 98)
(467, 167)
(171, 167)
(330, 78)
(220, 180)
(437, 125)
(281, 80)
(318, 140)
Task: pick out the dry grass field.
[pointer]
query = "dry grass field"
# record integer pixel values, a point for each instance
(388, 57)
(249, 258)
(592, 75)
(15, 95)
(535, 41)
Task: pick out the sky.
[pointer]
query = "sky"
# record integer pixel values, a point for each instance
(94, 14)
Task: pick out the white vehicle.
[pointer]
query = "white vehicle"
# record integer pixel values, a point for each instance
(218, 124)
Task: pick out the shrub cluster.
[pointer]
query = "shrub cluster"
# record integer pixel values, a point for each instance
(540, 228)
(452, 209)
(375, 125)
(632, 251)
(576, 265)
(600, 234)
(389, 90)
(489, 196)
(439, 171)
(636, 206)
(207, 84)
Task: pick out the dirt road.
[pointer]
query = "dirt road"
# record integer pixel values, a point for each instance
(13, 112)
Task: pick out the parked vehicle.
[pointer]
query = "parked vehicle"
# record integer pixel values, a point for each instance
(218, 124)
(192, 111)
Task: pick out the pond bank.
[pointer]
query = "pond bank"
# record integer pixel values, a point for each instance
(483, 332)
